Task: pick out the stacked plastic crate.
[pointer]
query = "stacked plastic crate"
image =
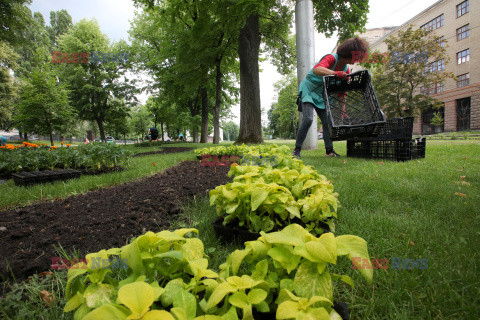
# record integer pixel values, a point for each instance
(355, 115)
(393, 143)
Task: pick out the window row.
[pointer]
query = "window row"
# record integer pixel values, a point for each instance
(433, 24)
(462, 9)
(433, 88)
(463, 80)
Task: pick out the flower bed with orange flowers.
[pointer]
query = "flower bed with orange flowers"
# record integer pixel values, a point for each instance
(37, 157)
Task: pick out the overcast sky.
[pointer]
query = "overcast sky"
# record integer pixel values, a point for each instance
(114, 18)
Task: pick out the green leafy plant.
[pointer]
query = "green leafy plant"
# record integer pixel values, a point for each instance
(257, 206)
(164, 270)
(93, 156)
(166, 276)
(256, 150)
(291, 267)
(265, 198)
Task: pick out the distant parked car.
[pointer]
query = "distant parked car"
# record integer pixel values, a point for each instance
(110, 139)
(320, 135)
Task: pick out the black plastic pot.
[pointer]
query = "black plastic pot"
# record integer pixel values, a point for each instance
(232, 232)
(340, 307)
(264, 316)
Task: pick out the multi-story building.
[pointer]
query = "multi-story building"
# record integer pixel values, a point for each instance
(457, 22)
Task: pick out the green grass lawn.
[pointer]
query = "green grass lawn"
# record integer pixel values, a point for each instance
(425, 209)
(420, 209)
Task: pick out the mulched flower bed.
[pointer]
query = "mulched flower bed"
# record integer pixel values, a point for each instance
(100, 219)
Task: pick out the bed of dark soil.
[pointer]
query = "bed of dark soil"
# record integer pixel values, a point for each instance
(164, 151)
(100, 219)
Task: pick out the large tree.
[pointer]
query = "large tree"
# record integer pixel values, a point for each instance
(14, 18)
(416, 60)
(43, 107)
(8, 86)
(104, 77)
(60, 21)
(254, 23)
(193, 51)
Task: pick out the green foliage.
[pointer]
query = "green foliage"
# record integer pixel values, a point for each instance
(164, 270)
(291, 267)
(266, 198)
(400, 80)
(44, 107)
(282, 115)
(252, 150)
(230, 131)
(8, 87)
(279, 192)
(94, 156)
(60, 21)
(165, 275)
(94, 85)
(437, 119)
(41, 297)
(343, 17)
(14, 17)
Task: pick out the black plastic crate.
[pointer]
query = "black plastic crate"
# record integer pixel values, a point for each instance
(396, 129)
(399, 150)
(352, 106)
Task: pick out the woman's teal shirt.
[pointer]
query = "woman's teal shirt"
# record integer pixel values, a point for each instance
(311, 87)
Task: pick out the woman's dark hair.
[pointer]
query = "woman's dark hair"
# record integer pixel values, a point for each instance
(346, 48)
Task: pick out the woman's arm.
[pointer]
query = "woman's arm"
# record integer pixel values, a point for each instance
(322, 71)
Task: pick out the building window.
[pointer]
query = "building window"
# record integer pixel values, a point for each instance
(433, 88)
(463, 114)
(463, 32)
(441, 41)
(463, 80)
(463, 56)
(463, 8)
(428, 115)
(433, 24)
(435, 66)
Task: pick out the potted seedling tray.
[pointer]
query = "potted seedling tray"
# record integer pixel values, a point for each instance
(34, 177)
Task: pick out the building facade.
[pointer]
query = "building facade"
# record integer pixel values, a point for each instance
(457, 22)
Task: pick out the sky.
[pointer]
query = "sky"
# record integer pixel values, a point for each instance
(114, 17)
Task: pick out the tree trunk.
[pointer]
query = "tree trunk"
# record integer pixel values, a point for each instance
(195, 135)
(204, 135)
(100, 128)
(163, 133)
(218, 101)
(250, 111)
(51, 138)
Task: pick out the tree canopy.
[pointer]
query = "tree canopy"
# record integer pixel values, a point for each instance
(416, 60)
